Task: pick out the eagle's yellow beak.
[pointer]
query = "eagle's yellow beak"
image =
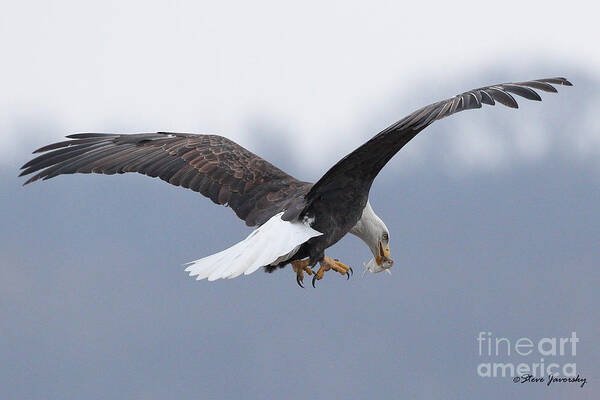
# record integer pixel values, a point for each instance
(383, 253)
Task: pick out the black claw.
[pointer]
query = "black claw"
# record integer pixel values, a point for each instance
(313, 280)
(347, 274)
(299, 282)
(351, 271)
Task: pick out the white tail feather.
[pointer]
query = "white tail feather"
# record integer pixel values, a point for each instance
(271, 243)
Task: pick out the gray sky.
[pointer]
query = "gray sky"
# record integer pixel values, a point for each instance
(313, 71)
(493, 213)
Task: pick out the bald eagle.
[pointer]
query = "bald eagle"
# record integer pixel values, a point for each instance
(296, 220)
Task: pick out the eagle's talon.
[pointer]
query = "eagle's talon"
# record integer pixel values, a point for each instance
(299, 267)
(328, 263)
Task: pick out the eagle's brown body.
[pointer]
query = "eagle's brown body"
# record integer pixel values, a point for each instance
(256, 190)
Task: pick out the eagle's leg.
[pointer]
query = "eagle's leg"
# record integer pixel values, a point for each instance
(328, 263)
(301, 266)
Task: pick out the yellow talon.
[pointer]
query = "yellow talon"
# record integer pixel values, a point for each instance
(328, 263)
(301, 266)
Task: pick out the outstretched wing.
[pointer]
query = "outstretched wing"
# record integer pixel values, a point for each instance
(215, 166)
(360, 167)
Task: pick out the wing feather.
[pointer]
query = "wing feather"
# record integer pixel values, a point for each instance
(357, 170)
(213, 165)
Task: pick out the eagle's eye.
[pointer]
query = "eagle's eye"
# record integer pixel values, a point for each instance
(385, 237)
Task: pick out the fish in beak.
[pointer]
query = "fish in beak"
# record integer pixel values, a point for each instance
(383, 254)
(382, 261)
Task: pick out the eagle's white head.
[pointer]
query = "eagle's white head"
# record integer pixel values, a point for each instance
(371, 229)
